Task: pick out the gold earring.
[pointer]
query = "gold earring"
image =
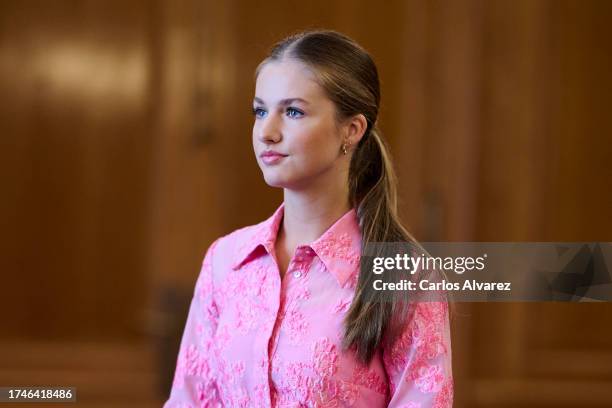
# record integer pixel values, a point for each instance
(344, 148)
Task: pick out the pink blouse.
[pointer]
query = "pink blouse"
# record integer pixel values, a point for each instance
(254, 340)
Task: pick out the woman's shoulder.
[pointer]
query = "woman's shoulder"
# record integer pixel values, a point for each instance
(231, 249)
(232, 245)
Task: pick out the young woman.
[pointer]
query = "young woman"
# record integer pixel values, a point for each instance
(281, 315)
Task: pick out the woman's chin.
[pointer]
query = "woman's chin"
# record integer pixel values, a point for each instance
(277, 182)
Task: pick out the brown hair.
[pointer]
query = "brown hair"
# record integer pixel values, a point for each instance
(349, 77)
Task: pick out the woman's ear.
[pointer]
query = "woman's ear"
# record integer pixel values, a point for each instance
(356, 127)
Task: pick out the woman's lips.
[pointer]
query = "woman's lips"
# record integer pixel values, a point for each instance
(272, 157)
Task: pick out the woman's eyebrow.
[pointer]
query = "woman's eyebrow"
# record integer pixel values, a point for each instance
(283, 102)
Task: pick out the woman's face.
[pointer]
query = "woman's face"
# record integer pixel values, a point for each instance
(295, 137)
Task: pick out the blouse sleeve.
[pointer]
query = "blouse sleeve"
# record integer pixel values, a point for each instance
(194, 383)
(418, 363)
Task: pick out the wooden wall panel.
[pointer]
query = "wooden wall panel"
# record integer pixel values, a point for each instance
(188, 176)
(74, 151)
(520, 113)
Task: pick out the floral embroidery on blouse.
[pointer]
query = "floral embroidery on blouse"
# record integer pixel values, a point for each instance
(254, 340)
(342, 305)
(339, 246)
(370, 379)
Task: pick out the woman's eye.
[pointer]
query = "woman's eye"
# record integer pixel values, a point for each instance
(257, 112)
(294, 113)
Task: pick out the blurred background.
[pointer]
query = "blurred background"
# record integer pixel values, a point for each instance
(125, 151)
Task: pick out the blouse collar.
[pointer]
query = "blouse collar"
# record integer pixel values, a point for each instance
(338, 247)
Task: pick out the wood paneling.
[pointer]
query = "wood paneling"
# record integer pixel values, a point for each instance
(75, 159)
(104, 374)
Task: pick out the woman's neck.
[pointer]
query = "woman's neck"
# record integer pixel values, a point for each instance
(306, 218)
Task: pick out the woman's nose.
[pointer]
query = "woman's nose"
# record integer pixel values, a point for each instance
(269, 131)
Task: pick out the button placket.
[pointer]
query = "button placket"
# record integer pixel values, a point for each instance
(300, 262)
(299, 268)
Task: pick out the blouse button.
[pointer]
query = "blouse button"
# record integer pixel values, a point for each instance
(297, 274)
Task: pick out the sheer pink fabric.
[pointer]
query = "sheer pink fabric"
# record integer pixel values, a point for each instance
(252, 340)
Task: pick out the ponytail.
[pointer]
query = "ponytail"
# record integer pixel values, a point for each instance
(373, 192)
